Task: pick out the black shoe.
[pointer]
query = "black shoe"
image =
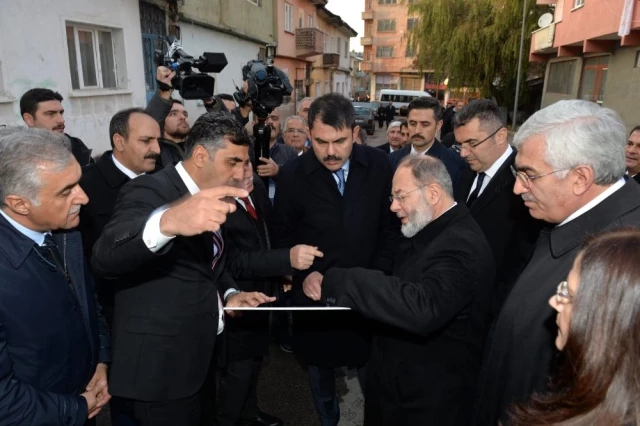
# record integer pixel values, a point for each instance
(265, 419)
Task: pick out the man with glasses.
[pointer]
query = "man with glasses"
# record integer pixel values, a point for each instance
(431, 310)
(486, 187)
(295, 133)
(569, 171)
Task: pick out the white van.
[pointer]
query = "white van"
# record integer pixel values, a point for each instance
(400, 98)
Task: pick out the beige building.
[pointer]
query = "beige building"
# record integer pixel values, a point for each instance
(386, 54)
(359, 79)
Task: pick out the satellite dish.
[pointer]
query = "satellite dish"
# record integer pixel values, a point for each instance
(545, 20)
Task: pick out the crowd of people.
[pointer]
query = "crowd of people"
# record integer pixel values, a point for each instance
(490, 283)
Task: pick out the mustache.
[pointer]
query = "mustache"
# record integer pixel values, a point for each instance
(332, 158)
(74, 210)
(417, 136)
(528, 197)
(152, 156)
(60, 127)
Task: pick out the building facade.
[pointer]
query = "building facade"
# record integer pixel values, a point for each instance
(359, 79)
(587, 58)
(387, 57)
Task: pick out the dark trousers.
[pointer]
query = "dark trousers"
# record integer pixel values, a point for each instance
(380, 122)
(237, 395)
(177, 412)
(323, 389)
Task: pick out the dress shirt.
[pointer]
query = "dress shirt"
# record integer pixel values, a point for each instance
(591, 204)
(344, 167)
(490, 172)
(155, 240)
(414, 152)
(242, 202)
(123, 169)
(37, 237)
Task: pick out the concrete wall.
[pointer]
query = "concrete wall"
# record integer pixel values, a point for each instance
(33, 53)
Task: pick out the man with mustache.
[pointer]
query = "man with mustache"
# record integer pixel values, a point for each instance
(334, 197)
(166, 254)
(569, 169)
(486, 188)
(424, 120)
(632, 154)
(54, 344)
(429, 313)
(42, 109)
(134, 138)
(295, 133)
(279, 154)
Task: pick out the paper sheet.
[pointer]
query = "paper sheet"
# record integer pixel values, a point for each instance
(292, 308)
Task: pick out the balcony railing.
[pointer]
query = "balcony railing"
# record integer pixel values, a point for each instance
(543, 38)
(309, 42)
(366, 41)
(367, 15)
(331, 60)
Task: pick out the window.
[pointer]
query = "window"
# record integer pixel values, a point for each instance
(410, 52)
(384, 52)
(561, 77)
(300, 19)
(411, 23)
(339, 44)
(578, 3)
(288, 17)
(386, 25)
(367, 55)
(91, 58)
(346, 49)
(387, 1)
(367, 29)
(594, 78)
(411, 83)
(310, 21)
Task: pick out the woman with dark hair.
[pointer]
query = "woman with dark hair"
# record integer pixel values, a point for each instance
(599, 333)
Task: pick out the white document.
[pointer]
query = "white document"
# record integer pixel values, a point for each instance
(292, 308)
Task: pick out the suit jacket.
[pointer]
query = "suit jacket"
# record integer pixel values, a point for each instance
(351, 230)
(52, 335)
(254, 266)
(166, 304)
(518, 356)
(80, 151)
(637, 178)
(451, 160)
(425, 359)
(507, 224)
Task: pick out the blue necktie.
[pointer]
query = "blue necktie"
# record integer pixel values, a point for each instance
(340, 175)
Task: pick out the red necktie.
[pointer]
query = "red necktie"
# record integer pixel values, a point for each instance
(252, 211)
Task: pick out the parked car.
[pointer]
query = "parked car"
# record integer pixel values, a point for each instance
(365, 118)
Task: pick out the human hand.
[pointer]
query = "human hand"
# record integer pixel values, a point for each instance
(302, 256)
(247, 299)
(312, 286)
(269, 169)
(165, 75)
(98, 391)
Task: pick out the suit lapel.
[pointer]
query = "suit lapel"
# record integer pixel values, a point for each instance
(464, 187)
(502, 179)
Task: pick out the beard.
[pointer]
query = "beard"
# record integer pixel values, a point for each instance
(418, 219)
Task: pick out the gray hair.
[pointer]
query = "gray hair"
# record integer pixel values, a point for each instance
(293, 117)
(22, 153)
(303, 100)
(578, 133)
(427, 170)
(394, 124)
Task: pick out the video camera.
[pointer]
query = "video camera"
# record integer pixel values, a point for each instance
(267, 85)
(192, 85)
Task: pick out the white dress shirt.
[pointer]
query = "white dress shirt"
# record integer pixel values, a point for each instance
(37, 237)
(123, 169)
(491, 172)
(591, 204)
(414, 152)
(155, 240)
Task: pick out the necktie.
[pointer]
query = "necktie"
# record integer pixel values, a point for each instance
(474, 195)
(218, 246)
(340, 175)
(250, 209)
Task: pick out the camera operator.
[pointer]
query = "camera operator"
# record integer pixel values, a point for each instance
(174, 119)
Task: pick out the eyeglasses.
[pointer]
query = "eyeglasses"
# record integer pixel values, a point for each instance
(401, 198)
(458, 146)
(563, 296)
(526, 180)
(299, 131)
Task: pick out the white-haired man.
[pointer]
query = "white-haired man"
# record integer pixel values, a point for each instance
(570, 171)
(394, 138)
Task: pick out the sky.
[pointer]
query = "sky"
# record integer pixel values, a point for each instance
(351, 12)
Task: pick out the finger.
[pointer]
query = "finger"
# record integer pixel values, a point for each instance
(94, 413)
(227, 191)
(317, 253)
(91, 384)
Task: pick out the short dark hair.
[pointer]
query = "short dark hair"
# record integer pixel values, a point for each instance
(176, 101)
(226, 97)
(426, 102)
(635, 129)
(119, 123)
(333, 110)
(485, 110)
(403, 122)
(30, 100)
(212, 129)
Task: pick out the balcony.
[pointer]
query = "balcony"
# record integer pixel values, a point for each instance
(366, 41)
(331, 60)
(542, 39)
(309, 42)
(367, 15)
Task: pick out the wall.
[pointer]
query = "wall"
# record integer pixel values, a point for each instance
(33, 53)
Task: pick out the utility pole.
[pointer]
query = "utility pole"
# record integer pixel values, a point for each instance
(515, 106)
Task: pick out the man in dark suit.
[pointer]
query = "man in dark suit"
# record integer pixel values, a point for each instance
(164, 248)
(570, 172)
(134, 141)
(424, 120)
(390, 113)
(53, 341)
(394, 138)
(632, 154)
(425, 359)
(486, 187)
(336, 198)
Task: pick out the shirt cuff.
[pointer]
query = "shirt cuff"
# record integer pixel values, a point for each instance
(152, 237)
(229, 293)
